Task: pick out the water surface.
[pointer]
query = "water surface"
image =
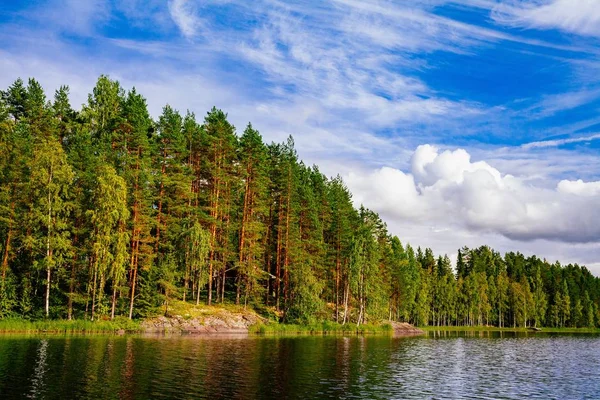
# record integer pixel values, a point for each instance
(447, 365)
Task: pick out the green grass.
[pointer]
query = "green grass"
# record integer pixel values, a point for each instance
(321, 328)
(190, 310)
(16, 325)
(507, 329)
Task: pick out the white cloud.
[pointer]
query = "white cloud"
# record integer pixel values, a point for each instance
(552, 104)
(449, 167)
(183, 13)
(579, 187)
(388, 191)
(333, 57)
(576, 16)
(73, 16)
(448, 190)
(560, 142)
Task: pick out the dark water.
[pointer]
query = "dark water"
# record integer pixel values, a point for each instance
(446, 366)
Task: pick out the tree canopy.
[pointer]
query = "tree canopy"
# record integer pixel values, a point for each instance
(105, 211)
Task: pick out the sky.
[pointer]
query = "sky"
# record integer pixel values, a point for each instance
(460, 122)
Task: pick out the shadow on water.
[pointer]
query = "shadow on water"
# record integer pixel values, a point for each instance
(440, 365)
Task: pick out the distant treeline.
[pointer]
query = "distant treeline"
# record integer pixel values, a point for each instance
(106, 212)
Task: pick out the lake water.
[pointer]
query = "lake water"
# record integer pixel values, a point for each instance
(451, 365)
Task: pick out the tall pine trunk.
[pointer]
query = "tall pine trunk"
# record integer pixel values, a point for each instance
(7, 244)
(214, 214)
(286, 261)
(6, 253)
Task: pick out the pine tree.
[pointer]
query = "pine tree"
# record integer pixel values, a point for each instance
(103, 115)
(253, 167)
(14, 159)
(14, 99)
(77, 143)
(136, 132)
(339, 238)
(539, 298)
(173, 197)
(219, 171)
(305, 258)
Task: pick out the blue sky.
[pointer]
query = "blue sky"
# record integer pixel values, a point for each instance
(461, 122)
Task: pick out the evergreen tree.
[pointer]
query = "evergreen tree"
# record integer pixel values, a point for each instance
(539, 299)
(253, 167)
(137, 132)
(220, 168)
(339, 239)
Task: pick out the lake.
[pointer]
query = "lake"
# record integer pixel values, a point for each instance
(447, 365)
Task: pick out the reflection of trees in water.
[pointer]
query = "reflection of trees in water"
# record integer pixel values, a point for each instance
(441, 365)
(37, 380)
(127, 372)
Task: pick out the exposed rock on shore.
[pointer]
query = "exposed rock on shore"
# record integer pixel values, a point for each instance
(405, 329)
(222, 321)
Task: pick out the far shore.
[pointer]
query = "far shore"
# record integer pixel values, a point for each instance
(224, 327)
(228, 319)
(196, 327)
(508, 329)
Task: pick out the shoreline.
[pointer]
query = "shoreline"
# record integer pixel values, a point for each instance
(210, 326)
(222, 321)
(285, 330)
(507, 329)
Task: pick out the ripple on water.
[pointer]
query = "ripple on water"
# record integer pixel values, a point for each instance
(448, 366)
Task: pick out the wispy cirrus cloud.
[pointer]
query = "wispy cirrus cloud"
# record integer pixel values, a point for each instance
(555, 103)
(184, 15)
(576, 16)
(66, 16)
(560, 142)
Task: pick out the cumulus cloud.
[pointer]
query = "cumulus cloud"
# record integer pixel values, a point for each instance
(447, 189)
(579, 188)
(576, 16)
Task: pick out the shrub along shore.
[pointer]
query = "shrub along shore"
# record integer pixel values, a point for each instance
(59, 326)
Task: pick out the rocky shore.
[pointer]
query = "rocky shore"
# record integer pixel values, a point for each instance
(201, 320)
(221, 322)
(405, 329)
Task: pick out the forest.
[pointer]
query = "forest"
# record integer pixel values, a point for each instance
(106, 212)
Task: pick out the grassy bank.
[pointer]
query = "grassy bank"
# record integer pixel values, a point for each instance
(16, 325)
(189, 310)
(508, 329)
(321, 328)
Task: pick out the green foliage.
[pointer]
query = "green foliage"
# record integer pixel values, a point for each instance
(109, 237)
(19, 325)
(106, 213)
(197, 246)
(320, 328)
